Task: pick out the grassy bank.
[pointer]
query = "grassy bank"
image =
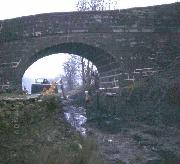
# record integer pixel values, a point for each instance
(153, 101)
(34, 131)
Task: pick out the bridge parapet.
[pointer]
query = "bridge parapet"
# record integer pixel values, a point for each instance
(163, 18)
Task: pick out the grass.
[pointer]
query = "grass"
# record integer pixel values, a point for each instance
(36, 132)
(152, 101)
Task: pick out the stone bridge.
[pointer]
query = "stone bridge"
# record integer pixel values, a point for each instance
(123, 44)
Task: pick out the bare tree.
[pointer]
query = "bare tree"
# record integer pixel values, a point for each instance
(83, 5)
(86, 71)
(96, 5)
(71, 68)
(78, 70)
(92, 5)
(83, 71)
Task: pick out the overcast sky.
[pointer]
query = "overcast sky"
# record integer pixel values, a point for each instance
(47, 67)
(51, 66)
(17, 8)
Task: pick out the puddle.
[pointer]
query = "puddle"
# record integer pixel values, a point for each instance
(76, 117)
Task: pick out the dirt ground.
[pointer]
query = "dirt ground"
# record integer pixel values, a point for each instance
(140, 144)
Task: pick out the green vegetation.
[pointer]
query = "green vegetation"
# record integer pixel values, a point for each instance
(34, 131)
(153, 101)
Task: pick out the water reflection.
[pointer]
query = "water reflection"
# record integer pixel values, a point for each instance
(76, 117)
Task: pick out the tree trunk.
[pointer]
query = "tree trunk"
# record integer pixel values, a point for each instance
(88, 74)
(83, 71)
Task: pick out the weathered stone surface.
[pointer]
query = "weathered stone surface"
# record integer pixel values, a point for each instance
(119, 41)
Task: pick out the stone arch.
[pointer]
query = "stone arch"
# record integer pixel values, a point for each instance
(96, 55)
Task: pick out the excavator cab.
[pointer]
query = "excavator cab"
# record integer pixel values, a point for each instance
(40, 85)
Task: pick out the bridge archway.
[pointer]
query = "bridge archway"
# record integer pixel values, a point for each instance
(97, 56)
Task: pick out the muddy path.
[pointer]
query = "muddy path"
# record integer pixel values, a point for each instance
(140, 144)
(135, 143)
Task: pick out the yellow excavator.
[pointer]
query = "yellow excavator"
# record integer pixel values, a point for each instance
(52, 89)
(42, 85)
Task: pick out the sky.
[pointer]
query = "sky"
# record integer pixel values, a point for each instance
(16, 8)
(47, 67)
(51, 66)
